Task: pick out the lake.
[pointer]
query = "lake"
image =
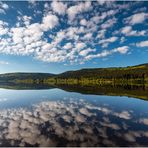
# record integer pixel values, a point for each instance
(72, 116)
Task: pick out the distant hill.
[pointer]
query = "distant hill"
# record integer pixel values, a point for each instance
(113, 72)
(138, 73)
(23, 76)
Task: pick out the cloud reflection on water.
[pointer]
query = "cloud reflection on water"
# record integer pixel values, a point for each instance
(70, 122)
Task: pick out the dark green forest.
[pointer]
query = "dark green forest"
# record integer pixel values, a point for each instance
(132, 75)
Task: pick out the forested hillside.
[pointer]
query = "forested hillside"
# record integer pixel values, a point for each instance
(139, 71)
(12, 77)
(133, 75)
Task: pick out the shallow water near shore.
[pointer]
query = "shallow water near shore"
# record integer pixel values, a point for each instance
(55, 117)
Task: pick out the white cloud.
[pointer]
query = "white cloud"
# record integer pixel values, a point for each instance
(137, 18)
(67, 46)
(80, 45)
(142, 44)
(105, 42)
(126, 30)
(101, 34)
(104, 53)
(86, 51)
(26, 20)
(3, 7)
(49, 22)
(3, 28)
(79, 8)
(48, 41)
(87, 36)
(98, 18)
(109, 23)
(23, 20)
(59, 7)
(122, 49)
(129, 32)
(109, 40)
(83, 22)
(32, 3)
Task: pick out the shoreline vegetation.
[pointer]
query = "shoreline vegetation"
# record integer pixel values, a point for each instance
(134, 75)
(129, 81)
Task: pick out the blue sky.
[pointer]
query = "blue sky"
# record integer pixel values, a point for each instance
(56, 36)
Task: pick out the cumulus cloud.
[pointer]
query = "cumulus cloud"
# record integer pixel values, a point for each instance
(3, 7)
(59, 7)
(3, 28)
(32, 3)
(137, 18)
(122, 50)
(142, 44)
(49, 22)
(26, 20)
(68, 46)
(109, 23)
(80, 45)
(128, 31)
(86, 51)
(79, 8)
(101, 34)
(68, 32)
(83, 22)
(109, 40)
(27, 40)
(104, 53)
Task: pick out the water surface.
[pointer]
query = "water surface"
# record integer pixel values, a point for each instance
(55, 117)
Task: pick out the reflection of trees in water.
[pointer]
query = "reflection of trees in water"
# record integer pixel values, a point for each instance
(116, 90)
(71, 122)
(21, 86)
(137, 91)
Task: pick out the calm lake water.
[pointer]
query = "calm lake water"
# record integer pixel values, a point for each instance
(54, 117)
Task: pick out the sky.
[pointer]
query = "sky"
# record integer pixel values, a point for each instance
(56, 36)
